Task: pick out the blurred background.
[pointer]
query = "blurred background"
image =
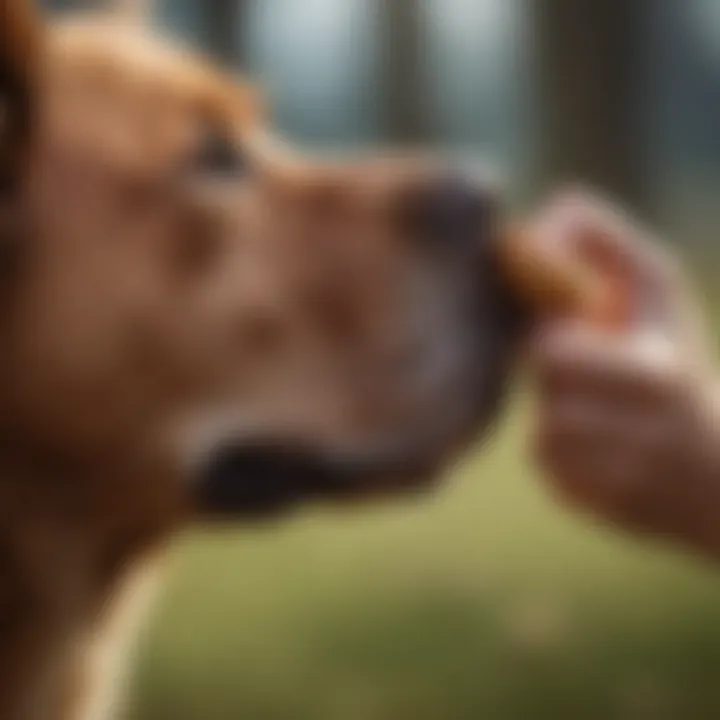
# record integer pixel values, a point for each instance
(484, 601)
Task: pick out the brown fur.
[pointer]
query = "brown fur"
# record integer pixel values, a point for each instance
(150, 308)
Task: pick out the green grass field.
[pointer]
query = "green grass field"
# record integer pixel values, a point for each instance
(483, 601)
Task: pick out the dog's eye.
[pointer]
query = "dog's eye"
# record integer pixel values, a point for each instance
(218, 154)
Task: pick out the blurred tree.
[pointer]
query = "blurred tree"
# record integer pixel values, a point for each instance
(400, 24)
(225, 30)
(592, 76)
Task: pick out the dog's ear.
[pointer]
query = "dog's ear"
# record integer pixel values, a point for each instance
(21, 43)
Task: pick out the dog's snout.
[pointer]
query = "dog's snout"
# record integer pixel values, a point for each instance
(453, 209)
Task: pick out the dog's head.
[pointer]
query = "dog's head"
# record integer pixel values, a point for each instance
(176, 280)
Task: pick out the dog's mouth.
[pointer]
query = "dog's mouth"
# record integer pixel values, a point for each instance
(259, 479)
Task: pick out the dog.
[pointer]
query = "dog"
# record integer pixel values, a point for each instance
(199, 323)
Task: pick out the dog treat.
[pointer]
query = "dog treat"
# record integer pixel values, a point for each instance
(552, 284)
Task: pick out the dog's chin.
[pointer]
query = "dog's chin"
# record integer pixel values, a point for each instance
(256, 480)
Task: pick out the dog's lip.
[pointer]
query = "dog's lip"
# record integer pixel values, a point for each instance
(259, 478)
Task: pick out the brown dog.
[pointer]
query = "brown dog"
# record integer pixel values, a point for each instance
(196, 321)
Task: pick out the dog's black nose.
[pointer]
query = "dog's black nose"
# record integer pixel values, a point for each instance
(454, 210)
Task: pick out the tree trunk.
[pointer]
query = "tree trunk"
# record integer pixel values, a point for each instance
(225, 30)
(592, 58)
(401, 55)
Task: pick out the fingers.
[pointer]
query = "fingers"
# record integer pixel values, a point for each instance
(567, 357)
(641, 273)
(636, 469)
(602, 471)
(617, 422)
(582, 471)
(621, 416)
(588, 229)
(577, 219)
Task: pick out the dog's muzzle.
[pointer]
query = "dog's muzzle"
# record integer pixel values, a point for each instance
(257, 478)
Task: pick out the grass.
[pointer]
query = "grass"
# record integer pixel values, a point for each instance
(482, 602)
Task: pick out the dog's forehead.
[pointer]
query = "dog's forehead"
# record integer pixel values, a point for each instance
(135, 64)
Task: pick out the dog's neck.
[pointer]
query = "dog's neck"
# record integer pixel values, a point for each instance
(46, 591)
(60, 575)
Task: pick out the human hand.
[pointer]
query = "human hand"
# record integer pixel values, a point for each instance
(627, 425)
